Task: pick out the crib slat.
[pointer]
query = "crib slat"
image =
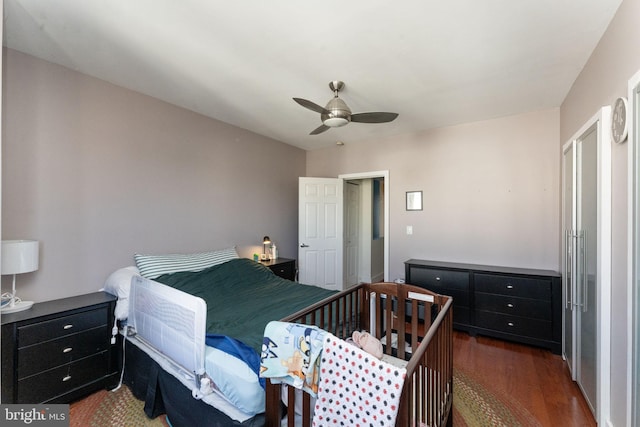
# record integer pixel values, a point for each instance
(306, 410)
(401, 321)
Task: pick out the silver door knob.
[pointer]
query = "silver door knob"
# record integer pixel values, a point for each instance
(303, 245)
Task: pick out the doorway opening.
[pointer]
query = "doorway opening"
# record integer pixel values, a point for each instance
(366, 227)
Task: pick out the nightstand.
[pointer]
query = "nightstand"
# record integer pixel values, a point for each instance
(59, 350)
(283, 267)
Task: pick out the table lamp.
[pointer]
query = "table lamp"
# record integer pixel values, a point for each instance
(18, 256)
(265, 241)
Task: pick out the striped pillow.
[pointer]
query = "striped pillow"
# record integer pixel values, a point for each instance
(152, 266)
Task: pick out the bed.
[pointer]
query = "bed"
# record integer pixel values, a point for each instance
(170, 318)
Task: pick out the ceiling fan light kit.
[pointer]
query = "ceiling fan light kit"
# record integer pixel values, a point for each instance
(335, 122)
(336, 113)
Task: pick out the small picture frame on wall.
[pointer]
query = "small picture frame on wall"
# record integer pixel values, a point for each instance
(414, 200)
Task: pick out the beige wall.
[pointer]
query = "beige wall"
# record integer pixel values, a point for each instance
(603, 79)
(97, 172)
(490, 190)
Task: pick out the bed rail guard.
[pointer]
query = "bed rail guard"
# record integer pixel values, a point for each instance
(170, 322)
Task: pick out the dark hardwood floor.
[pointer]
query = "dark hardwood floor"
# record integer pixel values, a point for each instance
(537, 378)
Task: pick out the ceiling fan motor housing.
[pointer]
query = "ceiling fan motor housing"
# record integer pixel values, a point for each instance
(339, 113)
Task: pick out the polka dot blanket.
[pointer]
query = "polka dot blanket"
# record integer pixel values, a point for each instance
(355, 388)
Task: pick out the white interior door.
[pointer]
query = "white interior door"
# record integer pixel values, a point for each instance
(320, 232)
(352, 234)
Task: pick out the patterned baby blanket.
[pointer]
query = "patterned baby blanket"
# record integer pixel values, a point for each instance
(290, 354)
(355, 388)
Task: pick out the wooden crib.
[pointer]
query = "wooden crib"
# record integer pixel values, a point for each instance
(414, 325)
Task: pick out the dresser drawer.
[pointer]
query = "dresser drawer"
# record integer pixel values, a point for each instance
(523, 307)
(523, 287)
(50, 354)
(523, 326)
(49, 384)
(460, 298)
(61, 326)
(437, 280)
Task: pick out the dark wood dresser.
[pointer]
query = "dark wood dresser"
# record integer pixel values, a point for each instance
(517, 304)
(59, 350)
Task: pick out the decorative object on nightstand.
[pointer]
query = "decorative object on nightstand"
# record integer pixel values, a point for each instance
(18, 256)
(265, 255)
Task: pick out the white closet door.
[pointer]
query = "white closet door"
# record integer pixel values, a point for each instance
(586, 218)
(587, 266)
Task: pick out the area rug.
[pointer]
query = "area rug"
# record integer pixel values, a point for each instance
(475, 405)
(112, 409)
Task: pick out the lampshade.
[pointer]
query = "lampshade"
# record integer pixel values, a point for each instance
(19, 256)
(266, 240)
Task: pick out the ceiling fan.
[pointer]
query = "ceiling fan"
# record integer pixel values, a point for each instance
(336, 113)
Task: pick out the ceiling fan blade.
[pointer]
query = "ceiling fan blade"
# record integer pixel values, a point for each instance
(320, 129)
(311, 106)
(376, 117)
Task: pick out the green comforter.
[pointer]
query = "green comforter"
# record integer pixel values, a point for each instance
(243, 296)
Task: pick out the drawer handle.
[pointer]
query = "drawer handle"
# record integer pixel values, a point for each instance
(510, 305)
(67, 378)
(509, 286)
(438, 279)
(510, 324)
(67, 327)
(67, 350)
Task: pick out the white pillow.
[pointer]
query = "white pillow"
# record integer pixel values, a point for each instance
(152, 266)
(119, 284)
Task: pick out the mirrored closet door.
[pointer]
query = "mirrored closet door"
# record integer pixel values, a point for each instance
(587, 247)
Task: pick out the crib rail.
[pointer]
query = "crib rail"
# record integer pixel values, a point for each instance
(414, 324)
(427, 396)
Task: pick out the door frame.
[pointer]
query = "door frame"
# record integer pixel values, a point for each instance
(347, 243)
(568, 291)
(384, 174)
(633, 250)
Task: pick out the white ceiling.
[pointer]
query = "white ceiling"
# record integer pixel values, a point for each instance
(435, 62)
